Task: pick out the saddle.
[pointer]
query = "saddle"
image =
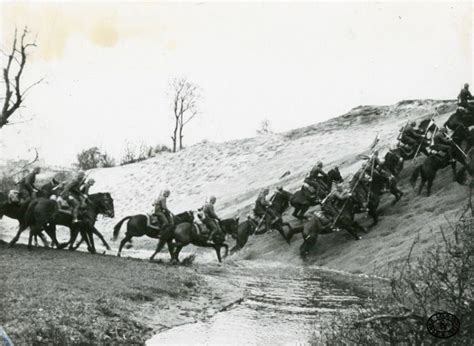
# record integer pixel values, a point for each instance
(152, 222)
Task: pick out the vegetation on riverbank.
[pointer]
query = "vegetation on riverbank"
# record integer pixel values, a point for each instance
(440, 281)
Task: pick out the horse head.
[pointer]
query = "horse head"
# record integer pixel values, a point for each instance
(230, 225)
(335, 175)
(104, 203)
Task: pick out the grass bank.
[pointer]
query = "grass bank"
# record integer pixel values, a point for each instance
(62, 297)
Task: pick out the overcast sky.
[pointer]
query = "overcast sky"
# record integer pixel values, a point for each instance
(107, 67)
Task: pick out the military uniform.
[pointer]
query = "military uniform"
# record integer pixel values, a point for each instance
(27, 186)
(72, 195)
(412, 136)
(162, 212)
(210, 220)
(333, 205)
(442, 143)
(464, 97)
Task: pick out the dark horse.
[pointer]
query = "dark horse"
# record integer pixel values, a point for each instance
(137, 227)
(244, 230)
(280, 203)
(301, 201)
(15, 211)
(188, 233)
(44, 214)
(428, 169)
(318, 225)
(460, 121)
(369, 194)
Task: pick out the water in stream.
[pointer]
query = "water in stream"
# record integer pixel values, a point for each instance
(282, 305)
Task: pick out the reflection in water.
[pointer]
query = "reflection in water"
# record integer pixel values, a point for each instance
(282, 306)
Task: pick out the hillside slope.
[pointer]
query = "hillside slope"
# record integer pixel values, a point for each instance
(235, 171)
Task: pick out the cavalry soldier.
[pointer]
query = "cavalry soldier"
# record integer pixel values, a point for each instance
(27, 186)
(334, 203)
(86, 186)
(211, 220)
(443, 143)
(162, 212)
(72, 194)
(262, 206)
(464, 97)
(411, 135)
(314, 178)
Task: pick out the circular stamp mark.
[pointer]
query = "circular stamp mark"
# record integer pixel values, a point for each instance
(443, 325)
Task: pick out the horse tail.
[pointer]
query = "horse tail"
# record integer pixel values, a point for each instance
(415, 174)
(119, 225)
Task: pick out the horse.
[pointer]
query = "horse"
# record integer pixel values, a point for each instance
(188, 233)
(318, 225)
(459, 120)
(371, 195)
(428, 169)
(393, 161)
(301, 202)
(137, 227)
(241, 236)
(16, 211)
(280, 202)
(44, 214)
(48, 189)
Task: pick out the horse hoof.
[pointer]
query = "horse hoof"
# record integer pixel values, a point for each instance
(108, 248)
(119, 255)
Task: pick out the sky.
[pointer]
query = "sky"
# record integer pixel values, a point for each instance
(107, 67)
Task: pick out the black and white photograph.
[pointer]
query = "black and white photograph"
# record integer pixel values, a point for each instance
(236, 173)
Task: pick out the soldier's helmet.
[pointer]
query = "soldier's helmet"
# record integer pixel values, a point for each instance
(212, 199)
(165, 192)
(319, 164)
(466, 85)
(81, 175)
(37, 169)
(91, 181)
(413, 123)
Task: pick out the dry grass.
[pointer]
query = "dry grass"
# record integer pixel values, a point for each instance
(59, 297)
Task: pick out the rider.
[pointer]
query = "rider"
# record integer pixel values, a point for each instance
(262, 206)
(211, 220)
(85, 189)
(72, 194)
(334, 203)
(27, 186)
(464, 97)
(411, 135)
(314, 178)
(443, 143)
(161, 209)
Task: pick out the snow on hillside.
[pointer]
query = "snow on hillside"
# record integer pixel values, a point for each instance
(235, 171)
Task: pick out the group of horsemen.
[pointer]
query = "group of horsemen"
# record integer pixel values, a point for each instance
(74, 192)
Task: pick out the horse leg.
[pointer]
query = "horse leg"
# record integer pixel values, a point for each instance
(422, 184)
(51, 231)
(127, 238)
(280, 230)
(101, 237)
(178, 249)
(34, 230)
(74, 232)
(226, 247)
(453, 167)
(17, 236)
(429, 185)
(171, 246)
(374, 215)
(218, 252)
(296, 211)
(159, 247)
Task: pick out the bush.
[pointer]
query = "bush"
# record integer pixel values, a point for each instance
(93, 158)
(440, 280)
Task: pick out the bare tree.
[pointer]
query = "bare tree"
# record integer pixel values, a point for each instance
(185, 97)
(12, 77)
(265, 127)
